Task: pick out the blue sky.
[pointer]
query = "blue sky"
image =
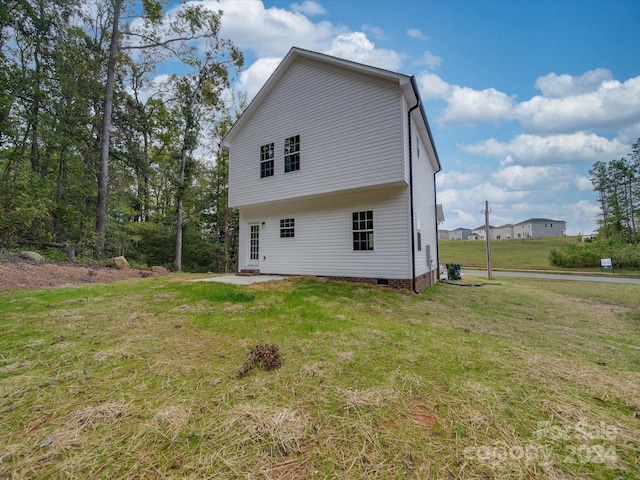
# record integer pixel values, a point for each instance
(522, 96)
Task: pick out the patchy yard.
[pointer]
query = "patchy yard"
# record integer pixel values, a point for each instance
(526, 379)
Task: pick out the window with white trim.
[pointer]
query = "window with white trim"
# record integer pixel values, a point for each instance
(287, 227)
(266, 160)
(362, 230)
(292, 154)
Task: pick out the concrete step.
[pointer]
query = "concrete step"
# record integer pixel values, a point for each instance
(248, 272)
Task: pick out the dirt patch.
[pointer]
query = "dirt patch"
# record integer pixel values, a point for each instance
(16, 272)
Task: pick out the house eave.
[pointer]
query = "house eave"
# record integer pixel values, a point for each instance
(401, 184)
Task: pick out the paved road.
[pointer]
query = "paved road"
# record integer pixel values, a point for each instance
(553, 276)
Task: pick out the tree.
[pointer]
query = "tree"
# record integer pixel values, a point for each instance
(618, 185)
(189, 24)
(56, 118)
(197, 94)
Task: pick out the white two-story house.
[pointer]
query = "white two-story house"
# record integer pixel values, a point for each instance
(332, 168)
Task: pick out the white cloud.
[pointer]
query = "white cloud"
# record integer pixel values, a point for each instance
(416, 33)
(376, 32)
(611, 106)
(528, 149)
(557, 179)
(457, 218)
(591, 102)
(254, 77)
(457, 179)
(630, 134)
(581, 216)
(429, 59)
(357, 47)
(309, 7)
(557, 86)
(582, 184)
(517, 177)
(473, 198)
(271, 32)
(432, 87)
(466, 106)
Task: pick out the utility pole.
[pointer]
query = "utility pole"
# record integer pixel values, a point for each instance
(487, 231)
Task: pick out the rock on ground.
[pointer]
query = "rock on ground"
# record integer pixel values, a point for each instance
(35, 256)
(120, 263)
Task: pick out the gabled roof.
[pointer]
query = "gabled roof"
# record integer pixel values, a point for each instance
(540, 220)
(405, 82)
(481, 227)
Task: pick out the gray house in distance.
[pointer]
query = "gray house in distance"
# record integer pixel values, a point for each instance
(532, 228)
(540, 227)
(502, 232)
(459, 234)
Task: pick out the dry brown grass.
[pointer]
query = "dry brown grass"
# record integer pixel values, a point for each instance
(501, 381)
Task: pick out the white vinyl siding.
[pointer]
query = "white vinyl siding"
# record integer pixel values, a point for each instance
(323, 242)
(350, 126)
(424, 204)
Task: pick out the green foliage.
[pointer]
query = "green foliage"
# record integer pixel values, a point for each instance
(618, 185)
(588, 254)
(53, 70)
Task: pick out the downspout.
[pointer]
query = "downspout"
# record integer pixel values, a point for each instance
(413, 234)
(435, 205)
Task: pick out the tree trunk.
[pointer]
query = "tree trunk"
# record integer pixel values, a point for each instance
(632, 212)
(183, 167)
(103, 172)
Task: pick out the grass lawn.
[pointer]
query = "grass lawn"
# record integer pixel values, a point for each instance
(529, 379)
(516, 254)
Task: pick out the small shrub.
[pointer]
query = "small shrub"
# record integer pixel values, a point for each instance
(589, 254)
(266, 356)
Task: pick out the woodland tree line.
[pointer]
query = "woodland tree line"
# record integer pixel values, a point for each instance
(101, 156)
(618, 185)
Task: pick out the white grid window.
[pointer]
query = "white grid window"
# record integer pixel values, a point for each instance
(292, 154)
(363, 230)
(287, 227)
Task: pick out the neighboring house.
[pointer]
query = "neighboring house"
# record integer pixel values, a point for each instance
(479, 233)
(502, 232)
(332, 168)
(460, 234)
(539, 227)
(443, 234)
